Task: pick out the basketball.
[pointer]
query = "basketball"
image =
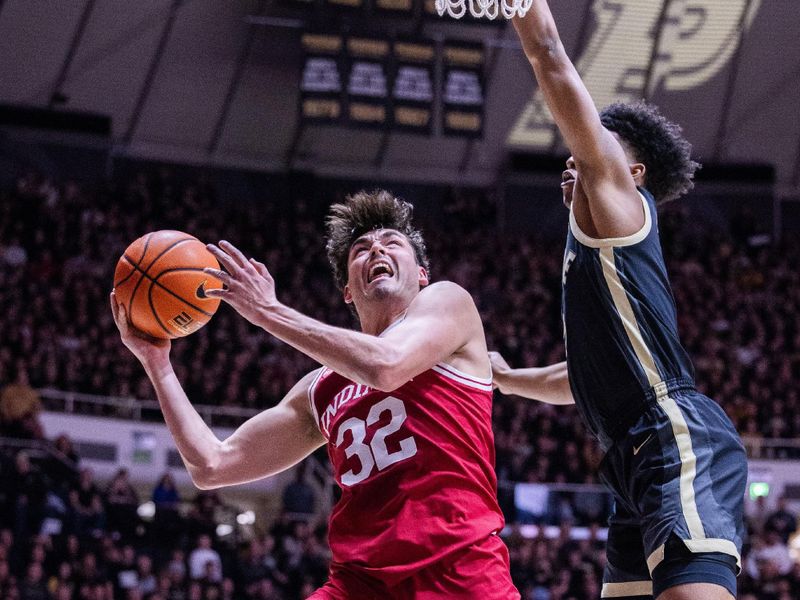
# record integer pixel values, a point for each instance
(160, 281)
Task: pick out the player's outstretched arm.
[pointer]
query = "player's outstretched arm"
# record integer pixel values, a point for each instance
(269, 443)
(442, 324)
(547, 384)
(440, 321)
(605, 175)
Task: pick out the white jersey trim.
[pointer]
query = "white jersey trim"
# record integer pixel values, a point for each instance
(480, 383)
(622, 303)
(619, 242)
(394, 324)
(311, 390)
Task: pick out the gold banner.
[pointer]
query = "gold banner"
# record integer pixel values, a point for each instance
(321, 109)
(462, 121)
(367, 113)
(412, 117)
(411, 52)
(367, 48)
(464, 57)
(321, 43)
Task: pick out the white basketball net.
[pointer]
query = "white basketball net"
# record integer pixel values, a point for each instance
(484, 9)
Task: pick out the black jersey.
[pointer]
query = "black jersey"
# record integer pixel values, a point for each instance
(620, 325)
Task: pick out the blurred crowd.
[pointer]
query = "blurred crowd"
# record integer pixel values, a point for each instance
(738, 304)
(59, 243)
(66, 536)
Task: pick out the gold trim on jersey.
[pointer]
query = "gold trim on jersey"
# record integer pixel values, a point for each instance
(620, 242)
(680, 429)
(626, 589)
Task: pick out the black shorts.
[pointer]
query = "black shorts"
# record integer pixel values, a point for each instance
(678, 479)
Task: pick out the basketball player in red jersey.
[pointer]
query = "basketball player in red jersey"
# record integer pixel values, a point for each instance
(404, 407)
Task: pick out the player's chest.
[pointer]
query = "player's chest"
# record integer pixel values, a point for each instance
(368, 431)
(340, 402)
(576, 269)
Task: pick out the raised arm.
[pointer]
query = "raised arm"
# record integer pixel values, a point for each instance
(547, 384)
(442, 321)
(441, 325)
(267, 444)
(614, 207)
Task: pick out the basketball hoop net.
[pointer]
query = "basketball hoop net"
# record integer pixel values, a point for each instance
(484, 9)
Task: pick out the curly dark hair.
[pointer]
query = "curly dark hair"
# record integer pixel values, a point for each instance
(363, 212)
(658, 143)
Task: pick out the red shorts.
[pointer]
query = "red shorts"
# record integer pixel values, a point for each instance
(478, 571)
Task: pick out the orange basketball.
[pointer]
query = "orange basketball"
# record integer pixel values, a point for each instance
(160, 281)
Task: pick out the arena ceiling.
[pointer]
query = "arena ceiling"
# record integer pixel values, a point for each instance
(203, 81)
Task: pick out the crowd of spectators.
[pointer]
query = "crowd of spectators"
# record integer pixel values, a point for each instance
(282, 564)
(59, 241)
(102, 550)
(66, 536)
(59, 244)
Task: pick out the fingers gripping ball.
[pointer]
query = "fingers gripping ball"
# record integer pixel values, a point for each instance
(160, 281)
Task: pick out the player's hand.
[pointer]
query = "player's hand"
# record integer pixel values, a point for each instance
(143, 346)
(249, 287)
(499, 368)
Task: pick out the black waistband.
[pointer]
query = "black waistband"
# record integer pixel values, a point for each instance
(618, 428)
(667, 387)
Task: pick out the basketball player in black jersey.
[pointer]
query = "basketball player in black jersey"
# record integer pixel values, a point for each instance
(673, 460)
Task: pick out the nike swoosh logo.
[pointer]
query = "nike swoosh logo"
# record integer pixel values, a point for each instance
(201, 290)
(639, 447)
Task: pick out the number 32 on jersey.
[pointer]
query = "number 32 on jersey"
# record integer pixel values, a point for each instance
(375, 455)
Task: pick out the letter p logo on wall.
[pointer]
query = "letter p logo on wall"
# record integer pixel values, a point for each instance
(696, 39)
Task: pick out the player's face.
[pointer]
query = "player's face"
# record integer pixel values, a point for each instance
(382, 263)
(569, 181)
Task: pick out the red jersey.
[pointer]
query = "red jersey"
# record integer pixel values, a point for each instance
(416, 469)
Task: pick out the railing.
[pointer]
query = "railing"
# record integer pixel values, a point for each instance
(135, 409)
(560, 487)
(39, 449)
(232, 416)
(149, 410)
(319, 473)
(772, 448)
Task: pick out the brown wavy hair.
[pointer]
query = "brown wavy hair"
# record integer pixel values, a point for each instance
(361, 213)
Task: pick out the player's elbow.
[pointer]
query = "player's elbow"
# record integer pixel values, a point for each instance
(383, 381)
(204, 484)
(385, 373)
(563, 400)
(205, 477)
(547, 52)
(388, 383)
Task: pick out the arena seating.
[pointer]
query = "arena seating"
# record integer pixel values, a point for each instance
(738, 309)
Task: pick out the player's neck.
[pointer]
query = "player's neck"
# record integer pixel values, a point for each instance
(378, 321)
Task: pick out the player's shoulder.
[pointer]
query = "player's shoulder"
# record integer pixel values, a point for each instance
(302, 394)
(443, 300)
(309, 378)
(445, 292)
(303, 388)
(300, 401)
(648, 229)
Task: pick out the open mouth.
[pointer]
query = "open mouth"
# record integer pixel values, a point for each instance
(567, 178)
(379, 270)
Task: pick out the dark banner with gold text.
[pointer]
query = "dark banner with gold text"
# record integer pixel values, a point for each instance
(463, 93)
(323, 78)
